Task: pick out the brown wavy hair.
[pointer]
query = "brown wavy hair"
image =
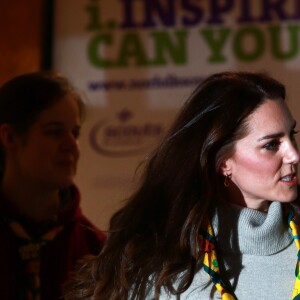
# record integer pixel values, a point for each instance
(153, 240)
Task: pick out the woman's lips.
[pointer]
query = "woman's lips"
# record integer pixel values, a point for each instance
(289, 180)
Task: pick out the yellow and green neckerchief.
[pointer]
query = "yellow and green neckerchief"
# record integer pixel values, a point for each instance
(295, 231)
(207, 244)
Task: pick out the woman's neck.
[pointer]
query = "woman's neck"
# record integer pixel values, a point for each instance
(33, 203)
(236, 197)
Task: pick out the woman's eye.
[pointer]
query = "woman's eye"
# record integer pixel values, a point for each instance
(293, 133)
(272, 146)
(54, 132)
(76, 133)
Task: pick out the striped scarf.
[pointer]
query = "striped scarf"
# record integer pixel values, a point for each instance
(295, 231)
(207, 244)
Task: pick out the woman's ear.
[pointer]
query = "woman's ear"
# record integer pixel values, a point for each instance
(7, 136)
(225, 167)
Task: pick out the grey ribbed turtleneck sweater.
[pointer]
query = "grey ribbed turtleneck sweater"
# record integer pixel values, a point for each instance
(261, 265)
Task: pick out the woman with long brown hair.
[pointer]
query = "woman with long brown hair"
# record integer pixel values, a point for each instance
(211, 218)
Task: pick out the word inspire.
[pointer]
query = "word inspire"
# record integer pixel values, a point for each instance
(160, 32)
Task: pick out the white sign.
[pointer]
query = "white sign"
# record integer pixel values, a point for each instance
(136, 62)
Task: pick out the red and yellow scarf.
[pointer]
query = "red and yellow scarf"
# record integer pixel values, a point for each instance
(207, 244)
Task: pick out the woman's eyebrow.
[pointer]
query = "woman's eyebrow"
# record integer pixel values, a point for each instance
(276, 135)
(271, 136)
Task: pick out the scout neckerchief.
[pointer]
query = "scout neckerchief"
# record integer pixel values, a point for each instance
(29, 251)
(207, 242)
(295, 231)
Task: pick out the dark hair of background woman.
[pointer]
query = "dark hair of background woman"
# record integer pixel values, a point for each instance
(153, 239)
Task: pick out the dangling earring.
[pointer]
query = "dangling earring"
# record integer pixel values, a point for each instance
(227, 180)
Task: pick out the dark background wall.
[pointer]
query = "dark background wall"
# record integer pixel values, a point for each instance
(22, 33)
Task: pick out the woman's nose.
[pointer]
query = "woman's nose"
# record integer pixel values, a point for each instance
(291, 154)
(70, 142)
